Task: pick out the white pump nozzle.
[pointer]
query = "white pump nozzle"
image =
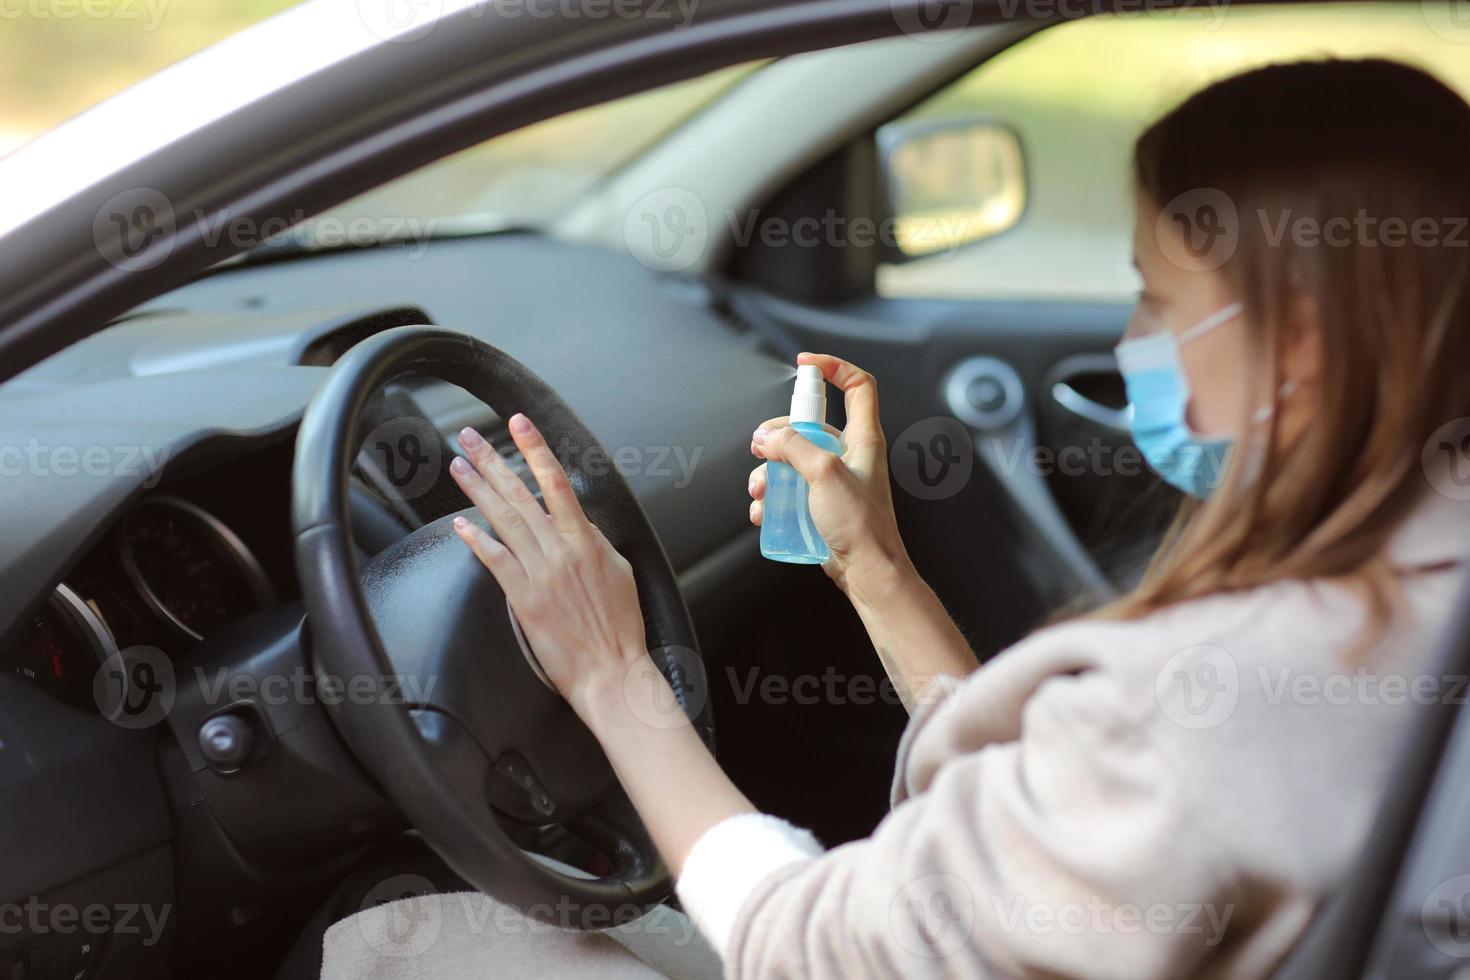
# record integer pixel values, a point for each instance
(809, 399)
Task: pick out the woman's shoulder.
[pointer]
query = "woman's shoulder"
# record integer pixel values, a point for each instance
(1225, 704)
(1280, 655)
(1323, 624)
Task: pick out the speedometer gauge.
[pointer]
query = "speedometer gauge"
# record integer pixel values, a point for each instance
(61, 648)
(191, 570)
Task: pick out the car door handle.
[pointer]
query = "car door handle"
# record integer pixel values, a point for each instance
(1083, 407)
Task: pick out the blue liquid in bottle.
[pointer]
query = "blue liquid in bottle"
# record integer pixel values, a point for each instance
(787, 531)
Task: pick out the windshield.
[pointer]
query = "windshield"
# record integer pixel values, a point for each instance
(526, 178)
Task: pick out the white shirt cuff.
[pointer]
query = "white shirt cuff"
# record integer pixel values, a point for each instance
(729, 861)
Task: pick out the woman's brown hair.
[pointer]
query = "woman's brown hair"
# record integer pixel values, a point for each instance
(1376, 157)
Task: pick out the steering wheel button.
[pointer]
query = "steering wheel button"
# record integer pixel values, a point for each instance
(513, 767)
(986, 394)
(226, 741)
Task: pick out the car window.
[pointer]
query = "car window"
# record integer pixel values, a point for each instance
(60, 57)
(1077, 95)
(525, 178)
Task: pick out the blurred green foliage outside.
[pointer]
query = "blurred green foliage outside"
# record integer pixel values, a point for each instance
(58, 57)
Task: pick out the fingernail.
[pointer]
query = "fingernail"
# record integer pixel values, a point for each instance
(460, 523)
(519, 424)
(460, 465)
(469, 438)
(750, 488)
(760, 437)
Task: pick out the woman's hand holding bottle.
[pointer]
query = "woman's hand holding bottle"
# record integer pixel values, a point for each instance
(850, 500)
(851, 505)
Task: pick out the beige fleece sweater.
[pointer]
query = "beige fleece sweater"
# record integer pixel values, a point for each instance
(1161, 798)
(1165, 797)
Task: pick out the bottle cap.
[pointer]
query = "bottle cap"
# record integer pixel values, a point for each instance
(809, 399)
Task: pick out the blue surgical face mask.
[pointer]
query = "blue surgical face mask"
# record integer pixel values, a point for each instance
(1158, 397)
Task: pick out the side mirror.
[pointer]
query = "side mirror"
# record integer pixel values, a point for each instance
(950, 182)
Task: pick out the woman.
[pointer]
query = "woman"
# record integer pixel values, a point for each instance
(1171, 784)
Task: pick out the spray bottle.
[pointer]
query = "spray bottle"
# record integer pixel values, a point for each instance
(787, 531)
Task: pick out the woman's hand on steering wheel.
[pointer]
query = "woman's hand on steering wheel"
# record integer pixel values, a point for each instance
(577, 604)
(573, 594)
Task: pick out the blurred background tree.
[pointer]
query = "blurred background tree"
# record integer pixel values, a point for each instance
(57, 57)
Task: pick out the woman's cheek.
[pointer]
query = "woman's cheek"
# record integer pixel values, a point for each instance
(1219, 383)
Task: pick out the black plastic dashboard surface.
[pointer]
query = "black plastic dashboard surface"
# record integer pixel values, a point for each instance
(212, 372)
(668, 386)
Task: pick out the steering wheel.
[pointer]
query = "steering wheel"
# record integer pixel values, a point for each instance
(452, 717)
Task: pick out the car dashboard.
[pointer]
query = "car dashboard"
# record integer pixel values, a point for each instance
(191, 404)
(178, 564)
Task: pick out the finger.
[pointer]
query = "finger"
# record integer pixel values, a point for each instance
(556, 490)
(815, 465)
(506, 482)
(493, 555)
(781, 420)
(509, 522)
(757, 483)
(770, 425)
(766, 427)
(864, 432)
(757, 512)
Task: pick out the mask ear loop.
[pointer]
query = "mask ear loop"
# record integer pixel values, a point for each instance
(1265, 412)
(1222, 315)
(1260, 445)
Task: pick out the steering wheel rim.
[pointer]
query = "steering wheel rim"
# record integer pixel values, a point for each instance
(421, 757)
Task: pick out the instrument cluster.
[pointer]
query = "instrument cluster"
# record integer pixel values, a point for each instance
(166, 575)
